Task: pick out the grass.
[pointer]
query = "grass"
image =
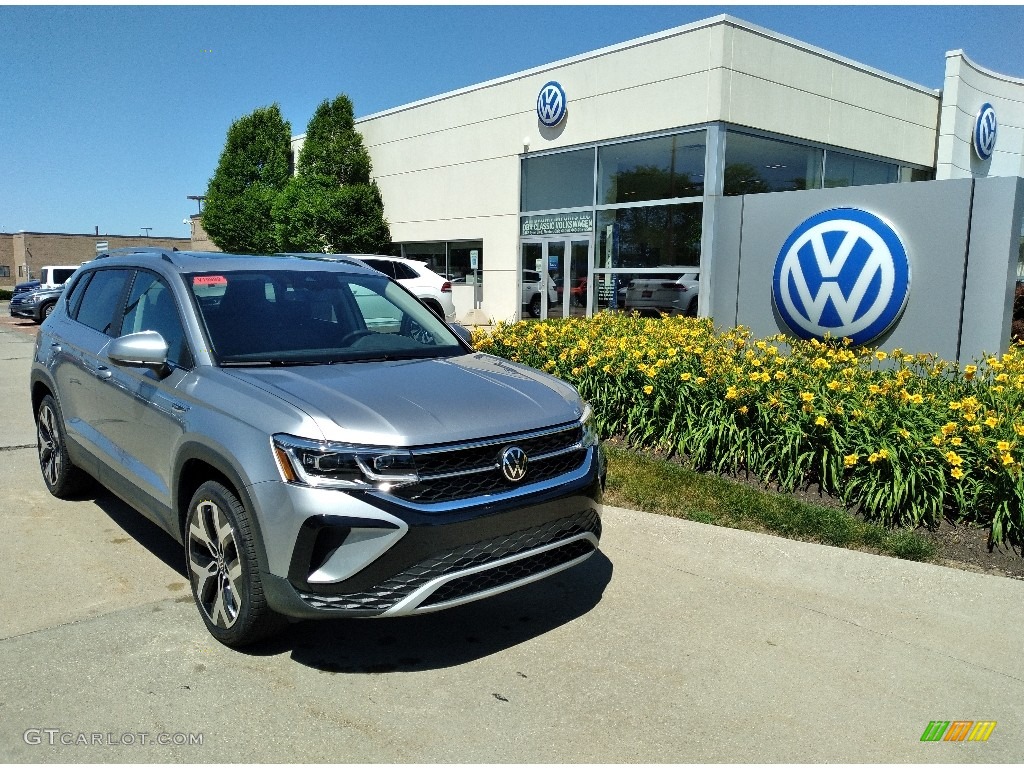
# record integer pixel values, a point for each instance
(652, 485)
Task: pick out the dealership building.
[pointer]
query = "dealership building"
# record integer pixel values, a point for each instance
(723, 169)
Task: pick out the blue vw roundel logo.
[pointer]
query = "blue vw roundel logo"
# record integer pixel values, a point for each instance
(843, 272)
(551, 104)
(985, 126)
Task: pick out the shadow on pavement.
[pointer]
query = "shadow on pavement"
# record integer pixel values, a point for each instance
(148, 534)
(447, 638)
(411, 643)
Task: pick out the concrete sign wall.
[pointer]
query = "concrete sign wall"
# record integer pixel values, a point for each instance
(928, 267)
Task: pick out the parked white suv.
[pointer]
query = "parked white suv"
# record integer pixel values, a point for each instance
(429, 287)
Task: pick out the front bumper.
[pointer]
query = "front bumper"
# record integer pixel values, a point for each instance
(453, 557)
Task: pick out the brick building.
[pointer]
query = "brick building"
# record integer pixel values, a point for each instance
(23, 253)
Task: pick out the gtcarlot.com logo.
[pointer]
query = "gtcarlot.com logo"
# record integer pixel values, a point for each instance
(58, 737)
(958, 730)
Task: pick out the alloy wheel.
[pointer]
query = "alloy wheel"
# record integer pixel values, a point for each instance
(215, 565)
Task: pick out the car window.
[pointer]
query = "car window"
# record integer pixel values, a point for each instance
(60, 276)
(404, 271)
(100, 303)
(387, 267)
(151, 307)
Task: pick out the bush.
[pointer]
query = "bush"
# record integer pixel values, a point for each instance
(907, 438)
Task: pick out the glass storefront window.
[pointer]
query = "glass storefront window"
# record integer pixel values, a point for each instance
(843, 170)
(664, 168)
(561, 180)
(754, 164)
(450, 259)
(649, 236)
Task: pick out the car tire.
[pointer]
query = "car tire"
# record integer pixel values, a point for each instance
(691, 308)
(223, 570)
(535, 306)
(62, 478)
(47, 310)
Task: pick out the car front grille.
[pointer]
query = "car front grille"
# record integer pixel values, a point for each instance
(453, 473)
(392, 591)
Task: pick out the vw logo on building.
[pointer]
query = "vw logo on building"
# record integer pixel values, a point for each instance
(513, 463)
(842, 272)
(551, 104)
(984, 137)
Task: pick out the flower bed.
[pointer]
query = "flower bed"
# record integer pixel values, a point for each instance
(907, 438)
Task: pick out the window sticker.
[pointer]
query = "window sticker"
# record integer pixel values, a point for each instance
(209, 280)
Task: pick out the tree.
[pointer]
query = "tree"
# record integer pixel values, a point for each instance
(252, 172)
(332, 205)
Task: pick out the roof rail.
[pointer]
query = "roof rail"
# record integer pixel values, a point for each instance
(335, 258)
(131, 251)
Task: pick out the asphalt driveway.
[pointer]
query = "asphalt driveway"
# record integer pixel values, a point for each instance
(680, 642)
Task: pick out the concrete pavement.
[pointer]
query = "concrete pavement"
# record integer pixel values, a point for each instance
(680, 642)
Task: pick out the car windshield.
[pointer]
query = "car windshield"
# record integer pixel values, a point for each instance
(280, 317)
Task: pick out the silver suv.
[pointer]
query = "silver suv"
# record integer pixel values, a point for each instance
(319, 441)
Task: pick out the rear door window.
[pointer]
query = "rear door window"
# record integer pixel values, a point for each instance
(100, 306)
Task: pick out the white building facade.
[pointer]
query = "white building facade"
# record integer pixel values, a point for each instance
(613, 166)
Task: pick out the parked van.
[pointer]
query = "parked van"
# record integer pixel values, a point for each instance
(52, 277)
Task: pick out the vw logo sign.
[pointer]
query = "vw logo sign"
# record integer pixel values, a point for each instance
(551, 104)
(513, 463)
(985, 126)
(842, 272)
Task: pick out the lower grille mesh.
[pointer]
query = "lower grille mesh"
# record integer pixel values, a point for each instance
(395, 589)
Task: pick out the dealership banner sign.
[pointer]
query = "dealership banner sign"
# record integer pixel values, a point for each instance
(557, 224)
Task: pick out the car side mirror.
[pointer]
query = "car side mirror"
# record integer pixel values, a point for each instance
(146, 348)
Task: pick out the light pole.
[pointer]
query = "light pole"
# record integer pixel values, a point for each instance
(147, 230)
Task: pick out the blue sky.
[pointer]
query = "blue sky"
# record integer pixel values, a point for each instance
(111, 116)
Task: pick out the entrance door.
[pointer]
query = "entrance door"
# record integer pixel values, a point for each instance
(556, 274)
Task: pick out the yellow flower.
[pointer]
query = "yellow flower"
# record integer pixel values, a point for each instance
(974, 429)
(1019, 429)
(969, 372)
(1003, 446)
(937, 440)
(1007, 459)
(743, 409)
(648, 389)
(850, 460)
(807, 396)
(948, 428)
(956, 440)
(833, 385)
(731, 393)
(991, 421)
(954, 459)
(957, 473)
(880, 355)
(904, 434)
(821, 421)
(685, 376)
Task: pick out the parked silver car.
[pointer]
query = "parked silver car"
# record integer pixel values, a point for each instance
(321, 443)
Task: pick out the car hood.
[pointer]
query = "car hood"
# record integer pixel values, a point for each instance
(420, 402)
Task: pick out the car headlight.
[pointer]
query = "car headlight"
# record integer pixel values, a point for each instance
(339, 465)
(586, 420)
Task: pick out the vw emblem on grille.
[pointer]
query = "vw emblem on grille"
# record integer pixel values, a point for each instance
(551, 104)
(842, 272)
(984, 136)
(513, 463)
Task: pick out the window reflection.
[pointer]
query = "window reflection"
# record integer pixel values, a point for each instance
(843, 170)
(664, 168)
(650, 236)
(754, 165)
(561, 180)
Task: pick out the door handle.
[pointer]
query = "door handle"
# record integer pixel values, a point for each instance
(103, 373)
